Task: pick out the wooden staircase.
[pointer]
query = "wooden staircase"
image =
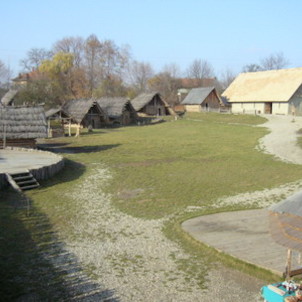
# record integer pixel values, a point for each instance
(22, 181)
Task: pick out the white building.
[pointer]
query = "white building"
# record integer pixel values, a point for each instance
(268, 92)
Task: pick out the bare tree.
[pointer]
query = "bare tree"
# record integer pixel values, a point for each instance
(34, 58)
(5, 75)
(226, 78)
(251, 68)
(274, 61)
(73, 45)
(92, 58)
(140, 73)
(200, 69)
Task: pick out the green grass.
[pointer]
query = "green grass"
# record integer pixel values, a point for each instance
(158, 170)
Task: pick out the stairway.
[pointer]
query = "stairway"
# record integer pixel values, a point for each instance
(22, 181)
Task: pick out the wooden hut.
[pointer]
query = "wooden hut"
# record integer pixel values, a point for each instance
(202, 99)
(21, 126)
(119, 110)
(85, 112)
(151, 104)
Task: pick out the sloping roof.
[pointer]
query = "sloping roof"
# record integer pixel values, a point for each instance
(22, 122)
(142, 100)
(197, 95)
(265, 86)
(77, 109)
(8, 97)
(114, 106)
(52, 112)
(286, 222)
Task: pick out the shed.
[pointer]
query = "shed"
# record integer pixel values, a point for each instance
(267, 92)
(21, 126)
(119, 110)
(151, 104)
(202, 99)
(85, 112)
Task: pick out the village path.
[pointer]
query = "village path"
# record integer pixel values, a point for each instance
(282, 140)
(245, 234)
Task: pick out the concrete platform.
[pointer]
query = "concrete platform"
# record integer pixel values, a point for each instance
(42, 164)
(244, 235)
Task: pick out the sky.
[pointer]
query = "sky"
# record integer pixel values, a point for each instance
(227, 33)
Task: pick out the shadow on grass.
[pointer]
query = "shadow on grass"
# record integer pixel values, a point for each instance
(35, 264)
(58, 148)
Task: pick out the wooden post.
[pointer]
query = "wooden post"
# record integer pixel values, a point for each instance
(288, 264)
(69, 128)
(4, 136)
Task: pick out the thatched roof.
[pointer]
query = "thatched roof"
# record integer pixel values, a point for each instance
(197, 95)
(143, 99)
(8, 97)
(286, 222)
(265, 86)
(114, 106)
(22, 122)
(52, 111)
(77, 109)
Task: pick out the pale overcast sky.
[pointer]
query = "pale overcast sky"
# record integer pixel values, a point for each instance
(228, 34)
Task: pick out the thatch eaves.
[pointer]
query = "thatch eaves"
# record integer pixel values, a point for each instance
(22, 122)
(8, 98)
(197, 95)
(143, 99)
(264, 86)
(77, 109)
(114, 106)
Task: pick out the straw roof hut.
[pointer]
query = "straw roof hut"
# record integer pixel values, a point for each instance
(119, 110)
(269, 92)
(8, 98)
(86, 112)
(151, 104)
(202, 99)
(286, 225)
(21, 126)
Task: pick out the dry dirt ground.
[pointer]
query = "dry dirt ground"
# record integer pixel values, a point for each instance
(132, 258)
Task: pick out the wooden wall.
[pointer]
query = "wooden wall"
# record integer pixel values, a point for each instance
(22, 143)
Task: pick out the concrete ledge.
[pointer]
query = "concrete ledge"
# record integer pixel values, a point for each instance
(42, 164)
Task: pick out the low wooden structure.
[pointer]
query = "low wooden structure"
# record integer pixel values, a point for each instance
(85, 112)
(286, 229)
(21, 126)
(119, 110)
(151, 104)
(202, 99)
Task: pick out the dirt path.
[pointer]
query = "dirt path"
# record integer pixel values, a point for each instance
(132, 257)
(282, 140)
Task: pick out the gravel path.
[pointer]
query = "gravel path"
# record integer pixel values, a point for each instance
(132, 257)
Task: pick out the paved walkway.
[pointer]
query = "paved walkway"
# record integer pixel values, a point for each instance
(244, 235)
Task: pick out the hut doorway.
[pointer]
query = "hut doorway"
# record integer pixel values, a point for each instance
(268, 108)
(159, 111)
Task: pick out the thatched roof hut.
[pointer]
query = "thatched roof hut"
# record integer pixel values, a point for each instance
(86, 112)
(8, 98)
(118, 109)
(270, 92)
(151, 104)
(20, 126)
(286, 225)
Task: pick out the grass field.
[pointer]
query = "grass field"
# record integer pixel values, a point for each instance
(157, 172)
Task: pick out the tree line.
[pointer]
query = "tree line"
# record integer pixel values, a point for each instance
(78, 67)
